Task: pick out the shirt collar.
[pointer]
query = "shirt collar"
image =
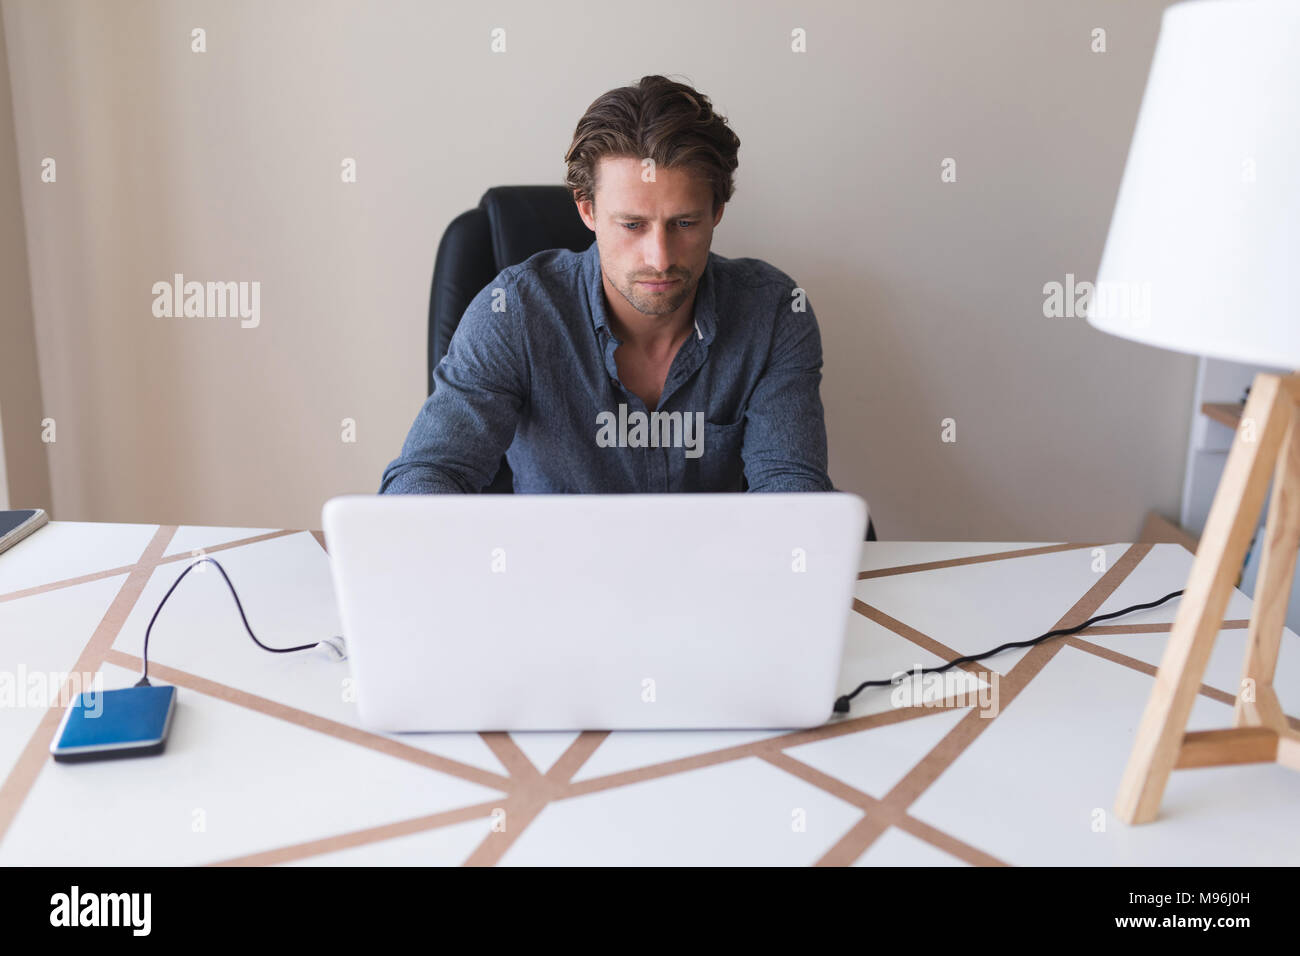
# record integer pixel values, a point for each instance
(705, 303)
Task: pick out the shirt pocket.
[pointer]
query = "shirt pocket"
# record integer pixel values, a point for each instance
(719, 466)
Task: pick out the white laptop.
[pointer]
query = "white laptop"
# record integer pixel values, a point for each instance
(595, 612)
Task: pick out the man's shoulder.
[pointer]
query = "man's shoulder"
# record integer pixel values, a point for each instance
(547, 264)
(746, 273)
(550, 276)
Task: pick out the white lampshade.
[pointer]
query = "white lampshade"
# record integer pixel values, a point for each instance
(1203, 254)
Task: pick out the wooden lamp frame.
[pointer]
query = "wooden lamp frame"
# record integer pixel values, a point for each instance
(1267, 442)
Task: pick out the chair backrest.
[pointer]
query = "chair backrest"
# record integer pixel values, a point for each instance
(510, 224)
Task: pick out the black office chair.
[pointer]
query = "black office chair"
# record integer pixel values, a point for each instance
(510, 224)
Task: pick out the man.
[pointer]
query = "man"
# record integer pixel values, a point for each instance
(646, 363)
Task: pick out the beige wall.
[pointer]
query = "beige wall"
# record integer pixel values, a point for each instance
(225, 165)
(24, 469)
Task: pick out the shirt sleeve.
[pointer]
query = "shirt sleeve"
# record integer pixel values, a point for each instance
(480, 386)
(784, 447)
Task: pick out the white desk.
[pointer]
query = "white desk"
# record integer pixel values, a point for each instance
(266, 763)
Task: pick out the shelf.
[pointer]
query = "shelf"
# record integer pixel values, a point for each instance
(1226, 413)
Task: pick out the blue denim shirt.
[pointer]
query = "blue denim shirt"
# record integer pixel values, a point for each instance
(530, 373)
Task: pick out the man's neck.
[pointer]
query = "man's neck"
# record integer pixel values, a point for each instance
(657, 337)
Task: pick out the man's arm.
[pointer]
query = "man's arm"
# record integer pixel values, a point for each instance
(480, 386)
(785, 426)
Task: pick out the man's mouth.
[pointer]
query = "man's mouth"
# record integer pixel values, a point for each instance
(658, 286)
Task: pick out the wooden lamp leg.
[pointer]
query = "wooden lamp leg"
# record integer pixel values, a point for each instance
(1161, 745)
(1257, 703)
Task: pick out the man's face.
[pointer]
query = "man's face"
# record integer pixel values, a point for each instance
(651, 231)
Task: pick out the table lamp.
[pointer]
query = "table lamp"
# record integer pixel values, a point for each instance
(1203, 256)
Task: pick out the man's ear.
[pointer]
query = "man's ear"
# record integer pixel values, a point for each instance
(586, 210)
(717, 216)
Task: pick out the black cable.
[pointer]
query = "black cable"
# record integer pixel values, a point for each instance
(842, 703)
(144, 676)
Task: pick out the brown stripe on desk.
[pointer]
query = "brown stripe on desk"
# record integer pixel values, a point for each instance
(495, 845)
(908, 790)
(67, 583)
(972, 559)
(520, 811)
(346, 841)
(534, 790)
(557, 783)
(32, 759)
(516, 762)
(517, 815)
(923, 641)
(1162, 627)
(576, 755)
(226, 545)
(878, 815)
(323, 725)
(821, 780)
(1222, 696)
(1133, 663)
(142, 563)
(756, 748)
(529, 798)
(946, 842)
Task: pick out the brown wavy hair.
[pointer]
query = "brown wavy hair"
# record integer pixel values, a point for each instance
(660, 119)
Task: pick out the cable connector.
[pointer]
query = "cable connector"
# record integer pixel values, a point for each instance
(335, 648)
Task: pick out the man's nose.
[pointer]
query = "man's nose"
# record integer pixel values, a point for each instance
(657, 255)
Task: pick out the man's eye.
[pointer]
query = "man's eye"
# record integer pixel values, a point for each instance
(684, 223)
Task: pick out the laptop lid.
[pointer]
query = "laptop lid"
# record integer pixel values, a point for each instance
(594, 612)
